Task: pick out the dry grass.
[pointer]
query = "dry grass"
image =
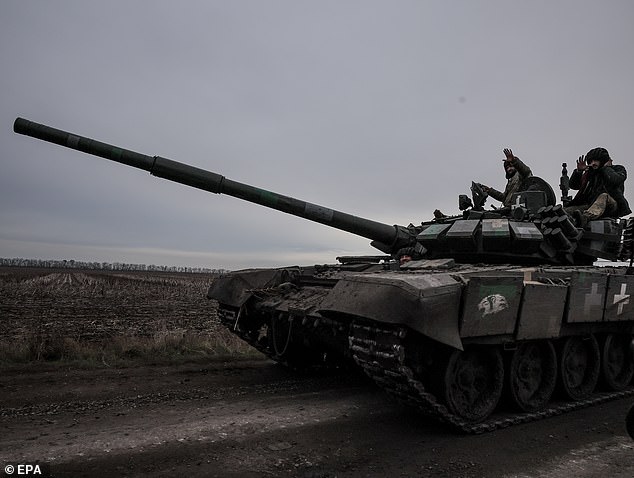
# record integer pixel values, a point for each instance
(163, 348)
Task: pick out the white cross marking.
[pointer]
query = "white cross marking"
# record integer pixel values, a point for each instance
(622, 299)
(517, 202)
(592, 299)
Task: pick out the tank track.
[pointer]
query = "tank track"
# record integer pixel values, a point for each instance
(379, 350)
(229, 319)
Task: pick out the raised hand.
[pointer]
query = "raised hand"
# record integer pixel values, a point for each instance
(510, 157)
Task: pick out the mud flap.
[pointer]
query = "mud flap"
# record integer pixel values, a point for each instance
(426, 303)
(236, 288)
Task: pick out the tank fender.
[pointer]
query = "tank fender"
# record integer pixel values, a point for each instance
(427, 303)
(236, 288)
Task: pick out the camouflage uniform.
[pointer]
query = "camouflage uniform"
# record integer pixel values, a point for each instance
(513, 185)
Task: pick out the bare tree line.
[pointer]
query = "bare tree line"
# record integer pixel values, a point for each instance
(107, 266)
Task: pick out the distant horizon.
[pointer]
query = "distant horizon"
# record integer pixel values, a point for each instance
(77, 264)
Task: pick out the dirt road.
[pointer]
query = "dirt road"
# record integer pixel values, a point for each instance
(256, 419)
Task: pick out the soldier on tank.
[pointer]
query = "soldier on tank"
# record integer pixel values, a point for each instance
(600, 185)
(516, 172)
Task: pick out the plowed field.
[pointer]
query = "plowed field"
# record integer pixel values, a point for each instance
(93, 305)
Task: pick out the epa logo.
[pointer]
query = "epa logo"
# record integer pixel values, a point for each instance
(22, 470)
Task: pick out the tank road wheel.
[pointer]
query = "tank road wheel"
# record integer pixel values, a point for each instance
(473, 382)
(617, 365)
(532, 375)
(579, 365)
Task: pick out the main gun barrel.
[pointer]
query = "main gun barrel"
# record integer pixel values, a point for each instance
(386, 235)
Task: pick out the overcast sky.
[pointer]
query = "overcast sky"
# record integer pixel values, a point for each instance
(386, 110)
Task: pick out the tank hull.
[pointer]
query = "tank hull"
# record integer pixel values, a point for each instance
(458, 342)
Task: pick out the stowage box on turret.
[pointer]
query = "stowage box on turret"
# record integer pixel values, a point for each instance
(482, 304)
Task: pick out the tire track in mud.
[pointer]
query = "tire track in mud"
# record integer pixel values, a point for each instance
(60, 432)
(286, 388)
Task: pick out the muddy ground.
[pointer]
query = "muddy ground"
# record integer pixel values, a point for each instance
(257, 419)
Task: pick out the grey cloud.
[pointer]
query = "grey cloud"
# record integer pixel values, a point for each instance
(385, 110)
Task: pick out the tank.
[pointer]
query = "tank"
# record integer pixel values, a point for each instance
(480, 320)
